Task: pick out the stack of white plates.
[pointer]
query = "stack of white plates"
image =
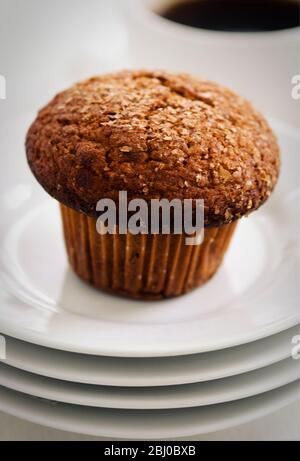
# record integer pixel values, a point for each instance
(86, 362)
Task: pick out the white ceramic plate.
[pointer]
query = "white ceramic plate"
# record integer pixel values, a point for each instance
(254, 295)
(114, 371)
(145, 424)
(153, 398)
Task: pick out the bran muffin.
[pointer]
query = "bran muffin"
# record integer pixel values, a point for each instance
(155, 135)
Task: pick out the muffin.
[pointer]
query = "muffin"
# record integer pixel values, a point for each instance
(154, 135)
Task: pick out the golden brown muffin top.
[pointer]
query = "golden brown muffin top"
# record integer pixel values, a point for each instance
(155, 135)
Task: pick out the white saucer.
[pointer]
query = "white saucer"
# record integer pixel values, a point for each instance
(113, 371)
(153, 398)
(254, 295)
(145, 424)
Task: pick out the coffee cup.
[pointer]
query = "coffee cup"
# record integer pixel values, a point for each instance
(259, 65)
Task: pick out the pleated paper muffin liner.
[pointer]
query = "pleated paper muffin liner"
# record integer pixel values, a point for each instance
(142, 266)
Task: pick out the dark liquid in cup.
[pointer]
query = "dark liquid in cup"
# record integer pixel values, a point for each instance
(236, 15)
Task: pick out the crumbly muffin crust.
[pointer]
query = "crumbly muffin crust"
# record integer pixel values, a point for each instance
(156, 135)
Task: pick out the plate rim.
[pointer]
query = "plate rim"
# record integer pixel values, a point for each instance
(237, 362)
(240, 411)
(284, 372)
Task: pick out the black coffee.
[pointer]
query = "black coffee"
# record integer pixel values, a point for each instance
(236, 15)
